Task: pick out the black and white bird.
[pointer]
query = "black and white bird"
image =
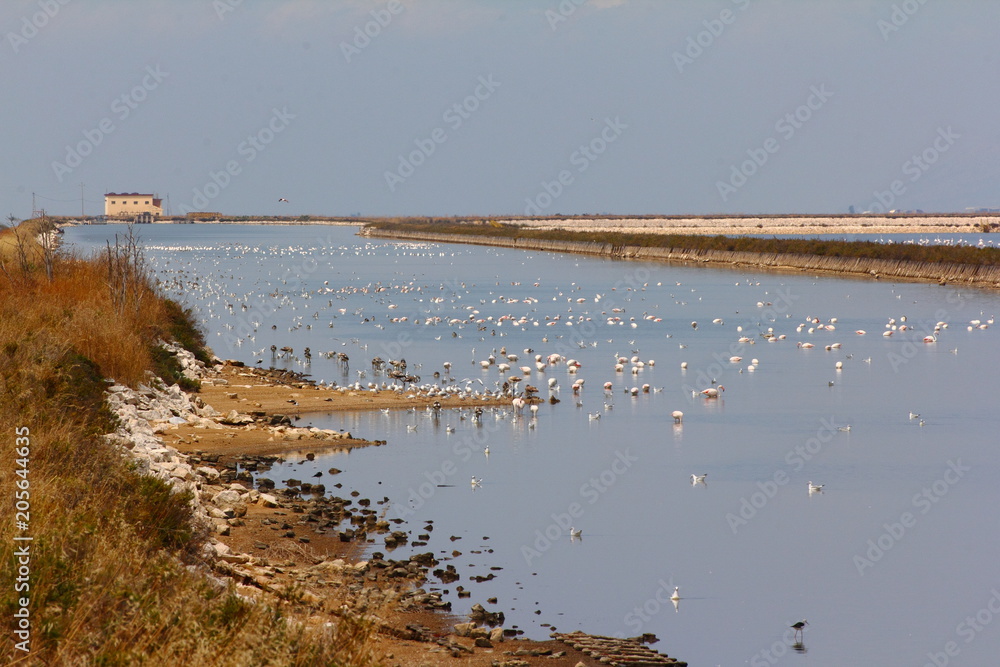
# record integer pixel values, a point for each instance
(282, 199)
(798, 627)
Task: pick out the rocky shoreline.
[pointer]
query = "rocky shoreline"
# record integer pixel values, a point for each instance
(297, 542)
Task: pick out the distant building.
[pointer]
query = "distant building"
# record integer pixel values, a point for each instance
(132, 204)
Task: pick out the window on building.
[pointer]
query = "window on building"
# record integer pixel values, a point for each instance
(135, 202)
(147, 201)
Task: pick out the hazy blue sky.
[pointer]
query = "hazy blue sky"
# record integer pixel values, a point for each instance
(501, 107)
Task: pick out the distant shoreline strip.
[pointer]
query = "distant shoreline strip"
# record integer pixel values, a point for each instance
(987, 276)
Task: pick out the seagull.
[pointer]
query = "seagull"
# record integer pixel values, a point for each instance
(476, 481)
(575, 532)
(816, 488)
(844, 428)
(283, 199)
(798, 627)
(677, 594)
(698, 479)
(914, 415)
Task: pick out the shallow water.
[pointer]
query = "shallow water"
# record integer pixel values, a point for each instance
(884, 574)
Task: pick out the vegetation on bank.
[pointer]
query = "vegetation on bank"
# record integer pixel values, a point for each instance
(805, 246)
(116, 573)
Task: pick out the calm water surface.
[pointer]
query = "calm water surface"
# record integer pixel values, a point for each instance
(897, 556)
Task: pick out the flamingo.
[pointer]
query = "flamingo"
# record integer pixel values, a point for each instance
(678, 416)
(805, 346)
(713, 392)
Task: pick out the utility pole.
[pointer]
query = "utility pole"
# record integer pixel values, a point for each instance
(33, 209)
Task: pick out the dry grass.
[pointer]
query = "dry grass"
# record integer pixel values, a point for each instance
(115, 574)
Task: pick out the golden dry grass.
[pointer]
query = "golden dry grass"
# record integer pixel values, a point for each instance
(115, 573)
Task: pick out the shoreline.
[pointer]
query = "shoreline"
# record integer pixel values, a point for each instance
(269, 538)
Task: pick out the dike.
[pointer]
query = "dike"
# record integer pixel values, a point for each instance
(987, 276)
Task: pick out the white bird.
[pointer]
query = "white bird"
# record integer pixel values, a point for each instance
(280, 199)
(677, 593)
(698, 479)
(844, 428)
(914, 415)
(712, 392)
(575, 532)
(476, 481)
(678, 416)
(816, 488)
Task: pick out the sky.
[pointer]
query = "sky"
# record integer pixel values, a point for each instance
(501, 107)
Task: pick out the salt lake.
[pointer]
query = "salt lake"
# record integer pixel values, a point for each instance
(893, 562)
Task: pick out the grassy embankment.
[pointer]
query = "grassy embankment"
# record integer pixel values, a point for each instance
(115, 573)
(819, 247)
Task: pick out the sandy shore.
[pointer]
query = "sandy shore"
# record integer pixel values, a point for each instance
(248, 391)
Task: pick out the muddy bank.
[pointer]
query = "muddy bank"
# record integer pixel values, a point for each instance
(941, 273)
